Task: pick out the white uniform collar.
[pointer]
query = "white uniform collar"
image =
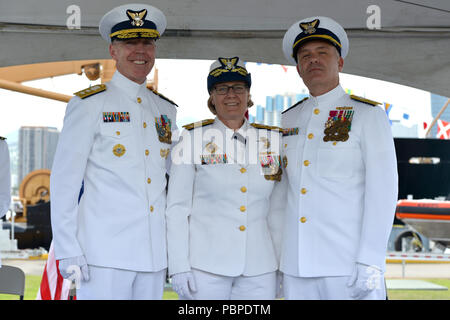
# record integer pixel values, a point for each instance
(242, 130)
(334, 94)
(130, 88)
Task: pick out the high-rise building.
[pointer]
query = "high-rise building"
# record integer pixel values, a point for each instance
(13, 146)
(271, 114)
(37, 147)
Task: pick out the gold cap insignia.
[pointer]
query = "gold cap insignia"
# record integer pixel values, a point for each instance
(310, 27)
(137, 17)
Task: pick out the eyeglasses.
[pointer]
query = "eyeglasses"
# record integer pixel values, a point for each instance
(237, 88)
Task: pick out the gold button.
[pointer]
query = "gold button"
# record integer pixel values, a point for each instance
(243, 170)
(303, 191)
(302, 219)
(243, 208)
(310, 136)
(244, 189)
(145, 124)
(242, 228)
(151, 208)
(149, 180)
(118, 133)
(306, 163)
(139, 100)
(285, 145)
(334, 143)
(316, 111)
(147, 152)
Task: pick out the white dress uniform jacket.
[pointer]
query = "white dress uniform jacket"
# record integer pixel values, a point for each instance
(219, 218)
(5, 178)
(119, 222)
(341, 196)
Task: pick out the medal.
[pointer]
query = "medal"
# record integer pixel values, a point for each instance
(163, 128)
(116, 117)
(164, 153)
(290, 132)
(338, 124)
(211, 147)
(213, 159)
(271, 166)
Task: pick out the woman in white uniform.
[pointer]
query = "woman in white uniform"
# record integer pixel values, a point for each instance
(223, 220)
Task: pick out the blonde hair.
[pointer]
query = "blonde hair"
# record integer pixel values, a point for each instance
(212, 107)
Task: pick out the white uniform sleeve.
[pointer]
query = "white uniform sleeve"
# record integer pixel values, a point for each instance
(381, 188)
(179, 206)
(277, 209)
(175, 137)
(5, 179)
(74, 146)
(277, 213)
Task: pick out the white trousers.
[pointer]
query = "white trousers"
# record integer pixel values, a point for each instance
(324, 288)
(217, 287)
(119, 284)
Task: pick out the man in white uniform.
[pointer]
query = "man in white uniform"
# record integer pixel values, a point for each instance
(5, 179)
(341, 172)
(117, 139)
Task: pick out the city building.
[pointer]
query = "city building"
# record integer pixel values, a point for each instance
(36, 150)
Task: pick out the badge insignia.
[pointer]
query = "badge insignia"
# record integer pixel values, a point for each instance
(211, 147)
(310, 27)
(137, 17)
(338, 124)
(116, 117)
(271, 166)
(290, 132)
(265, 142)
(285, 162)
(164, 153)
(213, 159)
(163, 128)
(119, 150)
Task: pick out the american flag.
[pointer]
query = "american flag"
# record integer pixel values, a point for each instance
(53, 286)
(443, 129)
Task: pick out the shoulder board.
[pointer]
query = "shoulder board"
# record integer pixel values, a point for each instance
(363, 100)
(90, 91)
(198, 124)
(262, 126)
(298, 103)
(162, 97)
(2, 138)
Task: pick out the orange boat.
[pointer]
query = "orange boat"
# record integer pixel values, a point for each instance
(429, 217)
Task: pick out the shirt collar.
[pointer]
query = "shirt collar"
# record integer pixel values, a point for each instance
(242, 130)
(334, 94)
(130, 88)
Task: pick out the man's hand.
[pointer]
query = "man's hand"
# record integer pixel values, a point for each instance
(74, 268)
(183, 283)
(363, 280)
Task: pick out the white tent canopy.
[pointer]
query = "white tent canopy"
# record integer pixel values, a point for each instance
(411, 48)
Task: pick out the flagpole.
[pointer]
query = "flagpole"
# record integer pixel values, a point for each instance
(437, 117)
